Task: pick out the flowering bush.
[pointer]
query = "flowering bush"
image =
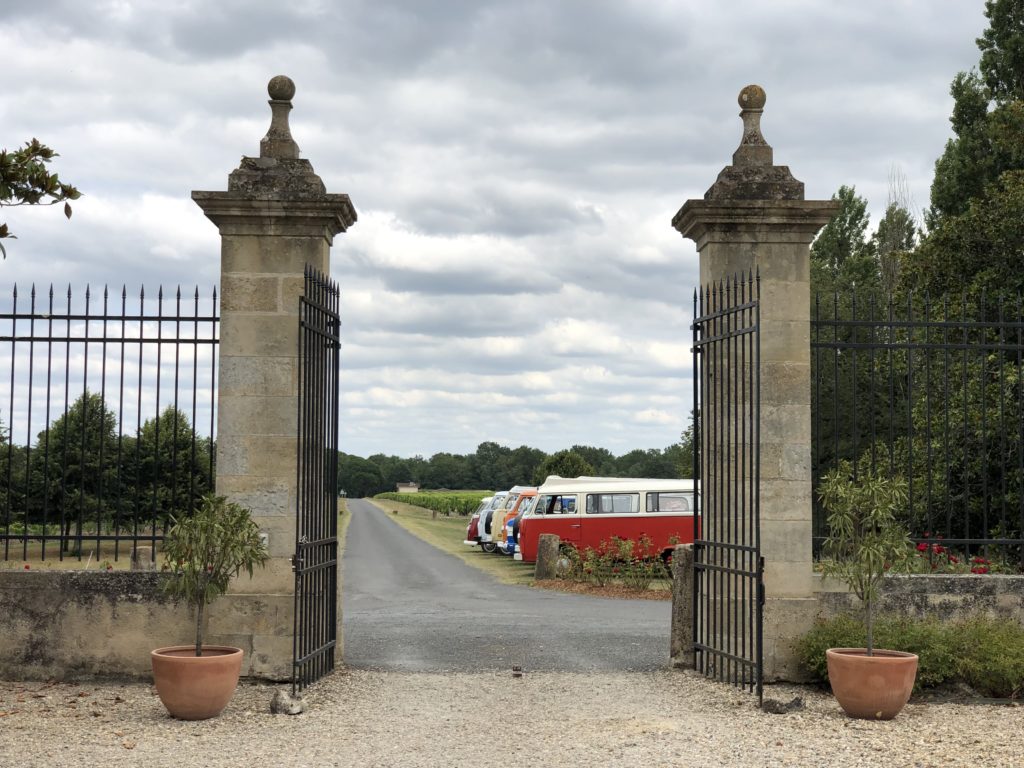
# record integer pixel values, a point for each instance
(932, 555)
(634, 564)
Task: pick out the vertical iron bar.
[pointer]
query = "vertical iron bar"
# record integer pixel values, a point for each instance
(45, 493)
(103, 425)
(28, 427)
(65, 523)
(120, 430)
(154, 512)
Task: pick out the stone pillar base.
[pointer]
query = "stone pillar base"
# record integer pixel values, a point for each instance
(786, 620)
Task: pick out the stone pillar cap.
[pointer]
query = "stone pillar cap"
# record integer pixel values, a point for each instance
(279, 142)
(753, 174)
(278, 173)
(278, 191)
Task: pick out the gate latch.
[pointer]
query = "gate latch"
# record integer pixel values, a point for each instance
(296, 562)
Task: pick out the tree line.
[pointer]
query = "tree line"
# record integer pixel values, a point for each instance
(497, 467)
(83, 471)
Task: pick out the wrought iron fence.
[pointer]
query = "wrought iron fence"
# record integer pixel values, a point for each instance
(108, 424)
(931, 390)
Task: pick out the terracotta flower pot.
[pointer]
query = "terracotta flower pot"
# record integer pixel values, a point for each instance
(196, 687)
(871, 687)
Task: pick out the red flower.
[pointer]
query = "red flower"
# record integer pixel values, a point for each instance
(927, 534)
(979, 569)
(922, 547)
(27, 566)
(953, 560)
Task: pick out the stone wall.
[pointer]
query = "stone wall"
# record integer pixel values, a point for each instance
(946, 597)
(60, 625)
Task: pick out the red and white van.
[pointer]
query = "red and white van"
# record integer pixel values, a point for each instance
(586, 511)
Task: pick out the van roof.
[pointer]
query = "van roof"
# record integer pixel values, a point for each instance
(609, 484)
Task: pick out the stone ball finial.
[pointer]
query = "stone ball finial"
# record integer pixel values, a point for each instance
(752, 97)
(281, 88)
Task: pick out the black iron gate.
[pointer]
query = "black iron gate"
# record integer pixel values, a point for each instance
(316, 532)
(728, 591)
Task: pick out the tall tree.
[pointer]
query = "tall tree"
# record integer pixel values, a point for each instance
(842, 256)
(446, 470)
(601, 459)
(358, 477)
(489, 466)
(897, 232)
(563, 464)
(25, 180)
(74, 465)
(978, 187)
(174, 469)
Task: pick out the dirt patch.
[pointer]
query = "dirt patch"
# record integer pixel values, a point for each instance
(609, 590)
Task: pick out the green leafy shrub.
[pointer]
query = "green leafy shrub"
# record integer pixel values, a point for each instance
(986, 654)
(865, 540)
(992, 656)
(599, 564)
(639, 565)
(635, 565)
(204, 551)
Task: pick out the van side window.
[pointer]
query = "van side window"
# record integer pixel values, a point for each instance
(612, 503)
(669, 502)
(556, 505)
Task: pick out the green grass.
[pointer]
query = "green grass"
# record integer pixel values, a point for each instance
(447, 534)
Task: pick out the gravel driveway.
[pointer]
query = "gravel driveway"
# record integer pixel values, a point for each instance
(373, 717)
(368, 718)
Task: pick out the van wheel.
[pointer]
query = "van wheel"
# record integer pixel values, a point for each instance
(489, 547)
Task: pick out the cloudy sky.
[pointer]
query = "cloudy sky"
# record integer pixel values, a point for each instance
(513, 275)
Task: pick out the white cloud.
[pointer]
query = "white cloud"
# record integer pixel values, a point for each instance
(513, 274)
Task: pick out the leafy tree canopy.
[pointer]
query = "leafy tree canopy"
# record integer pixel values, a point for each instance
(26, 180)
(842, 256)
(987, 118)
(980, 250)
(564, 464)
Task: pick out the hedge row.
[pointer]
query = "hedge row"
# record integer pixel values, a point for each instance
(984, 653)
(446, 502)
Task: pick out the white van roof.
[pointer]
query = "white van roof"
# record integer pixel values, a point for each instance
(521, 488)
(556, 484)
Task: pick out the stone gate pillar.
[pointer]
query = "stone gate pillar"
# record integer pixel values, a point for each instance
(275, 218)
(755, 218)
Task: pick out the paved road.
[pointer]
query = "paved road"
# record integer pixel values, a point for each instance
(410, 607)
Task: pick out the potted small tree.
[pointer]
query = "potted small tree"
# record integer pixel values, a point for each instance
(865, 540)
(203, 553)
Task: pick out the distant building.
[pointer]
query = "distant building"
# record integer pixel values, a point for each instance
(407, 487)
